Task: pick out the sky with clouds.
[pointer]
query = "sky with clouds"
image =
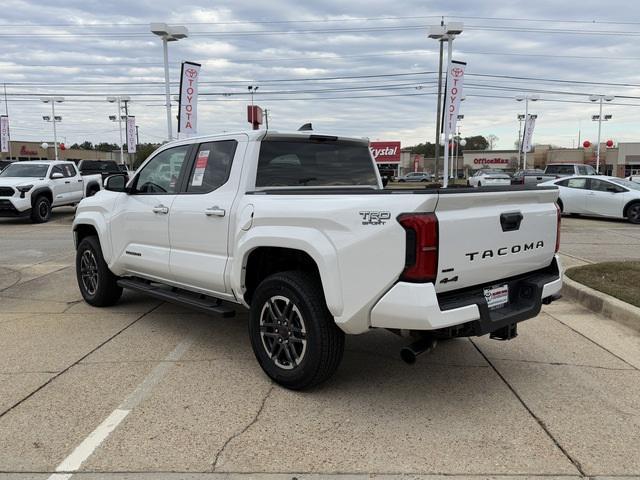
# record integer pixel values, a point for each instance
(355, 68)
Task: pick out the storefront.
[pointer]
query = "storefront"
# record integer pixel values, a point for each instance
(24, 151)
(387, 157)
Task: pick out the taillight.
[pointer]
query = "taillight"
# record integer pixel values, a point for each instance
(421, 258)
(558, 228)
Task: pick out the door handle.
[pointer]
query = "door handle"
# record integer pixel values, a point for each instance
(160, 209)
(80, 181)
(68, 181)
(217, 211)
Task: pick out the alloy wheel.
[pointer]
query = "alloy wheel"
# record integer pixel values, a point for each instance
(283, 332)
(89, 272)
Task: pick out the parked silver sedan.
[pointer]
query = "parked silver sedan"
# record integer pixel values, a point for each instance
(415, 177)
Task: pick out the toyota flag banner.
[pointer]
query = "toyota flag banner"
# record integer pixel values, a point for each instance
(188, 117)
(455, 80)
(4, 133)
(131, 134)
(527, 138)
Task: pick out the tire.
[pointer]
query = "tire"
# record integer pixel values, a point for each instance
(98, 286)
(424, 180)
(401, 181)
(479, 184)
(294, 299)
(633, 213)
(41, 210)
(91, 191)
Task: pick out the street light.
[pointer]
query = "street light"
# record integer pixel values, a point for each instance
(443, 32)
(53, 119)
(168, 34)
(599, 119)
(526, 98)
(119, 99)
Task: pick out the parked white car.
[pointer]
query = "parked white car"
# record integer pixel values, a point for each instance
(599, 195)
(634, 178)
(33, 188)
(489, 178)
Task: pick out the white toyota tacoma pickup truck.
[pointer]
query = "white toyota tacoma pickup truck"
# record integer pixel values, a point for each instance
(297, 228)
(33, 188)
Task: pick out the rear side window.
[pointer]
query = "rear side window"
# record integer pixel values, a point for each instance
(212, 166)
(302, 163)
(577, 183)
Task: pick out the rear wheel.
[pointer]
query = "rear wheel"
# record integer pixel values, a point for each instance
(98, 286)
(293, 334)
(41, 211)
(633, 213)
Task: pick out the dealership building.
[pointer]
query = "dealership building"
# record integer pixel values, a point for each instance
(22, 151)
(621, 161)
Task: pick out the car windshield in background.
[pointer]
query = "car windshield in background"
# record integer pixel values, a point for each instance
(25, 170)
(101, 166)
(626, 183)
(308, 163)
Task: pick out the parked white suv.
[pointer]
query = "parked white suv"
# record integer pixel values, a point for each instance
(297, 228)
(33, 188)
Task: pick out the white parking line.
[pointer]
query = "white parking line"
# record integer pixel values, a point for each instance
(89, 445)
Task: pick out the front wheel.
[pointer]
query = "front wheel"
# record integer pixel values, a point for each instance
(633, 213)
(41, 211)
(293, 334)
(98, 286)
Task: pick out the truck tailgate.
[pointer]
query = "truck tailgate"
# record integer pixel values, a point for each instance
(487, 236)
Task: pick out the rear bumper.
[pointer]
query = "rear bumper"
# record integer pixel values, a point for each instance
(417, 306)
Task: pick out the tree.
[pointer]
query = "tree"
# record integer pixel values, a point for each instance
(86, 145)
(106, 147)
(143, 151)
(492, 139)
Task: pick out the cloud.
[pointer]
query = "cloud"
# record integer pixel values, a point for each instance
(108, 50)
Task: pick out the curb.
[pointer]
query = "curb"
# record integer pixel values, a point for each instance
(598, 302)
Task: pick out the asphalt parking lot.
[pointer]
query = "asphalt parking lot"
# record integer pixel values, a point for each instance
(151, 388)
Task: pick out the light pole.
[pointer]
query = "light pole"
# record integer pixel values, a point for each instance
(599, 119)
(443, 32)
(168, 34)
(119, 99)
(520, 119)
(53, 119)
(526, 98)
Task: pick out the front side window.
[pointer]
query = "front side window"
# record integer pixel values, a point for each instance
(69, 170)
(212, 166)
(162, 173)
(312, 163)
(57, 169)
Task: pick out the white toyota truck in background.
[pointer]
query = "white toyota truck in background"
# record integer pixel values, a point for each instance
(297, 228)
(33, 188)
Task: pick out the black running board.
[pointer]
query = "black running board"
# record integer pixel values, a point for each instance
(176, 295)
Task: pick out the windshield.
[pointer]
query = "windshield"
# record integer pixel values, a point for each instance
(98, 165)
(626, 183)
(25, 170)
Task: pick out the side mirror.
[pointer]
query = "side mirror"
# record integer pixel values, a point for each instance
(385, 180)
(56, 176)
(115, 183)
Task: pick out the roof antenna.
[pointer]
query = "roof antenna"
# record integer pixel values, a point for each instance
(305, 127)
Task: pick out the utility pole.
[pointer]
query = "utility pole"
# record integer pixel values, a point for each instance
(6, 111)
(137, 136)
(266, 118)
